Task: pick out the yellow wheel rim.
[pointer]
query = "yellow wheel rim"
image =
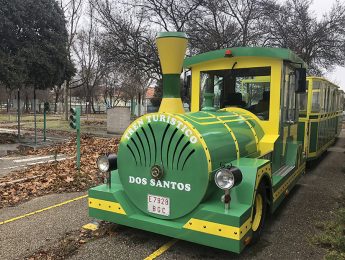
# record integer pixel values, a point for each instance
(258, 212)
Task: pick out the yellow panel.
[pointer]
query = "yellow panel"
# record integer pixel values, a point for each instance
(266, 143)
(270, 126)
(217, 229)
(171, 53)
(171, 105)
(106, 205)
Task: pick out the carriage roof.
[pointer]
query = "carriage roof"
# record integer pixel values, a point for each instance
(277, 53)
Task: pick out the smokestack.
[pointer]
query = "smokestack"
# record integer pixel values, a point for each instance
(171, 49)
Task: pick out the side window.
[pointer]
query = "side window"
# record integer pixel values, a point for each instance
(315, 107)
(302, 101)
(211, 83)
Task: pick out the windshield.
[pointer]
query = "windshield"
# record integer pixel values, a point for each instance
(247, 88)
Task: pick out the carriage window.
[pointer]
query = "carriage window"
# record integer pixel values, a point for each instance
(303, 102)
(315, 107)
(247, 88)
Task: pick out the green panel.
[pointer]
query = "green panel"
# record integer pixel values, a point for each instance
(184, 164)
(313, 137)
(212, 209)
(171, 85)
(301, 131)
(277, 53)
(172, 34)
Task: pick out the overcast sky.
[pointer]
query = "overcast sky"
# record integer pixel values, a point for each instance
(338, 75)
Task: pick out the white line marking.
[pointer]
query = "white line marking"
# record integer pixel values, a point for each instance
(33, 159)
(34, 163)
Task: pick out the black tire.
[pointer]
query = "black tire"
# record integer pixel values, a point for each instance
(258, 227)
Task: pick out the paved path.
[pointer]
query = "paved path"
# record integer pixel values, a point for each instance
(26, 235)
(11, 163)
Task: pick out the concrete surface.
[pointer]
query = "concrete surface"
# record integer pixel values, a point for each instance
(118, 119)
(25, 236)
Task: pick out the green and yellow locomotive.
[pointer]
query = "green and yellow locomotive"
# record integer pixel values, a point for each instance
(209, 176)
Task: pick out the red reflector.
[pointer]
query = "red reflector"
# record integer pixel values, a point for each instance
(228, 53)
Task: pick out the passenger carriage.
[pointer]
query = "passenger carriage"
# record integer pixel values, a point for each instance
(320, 116)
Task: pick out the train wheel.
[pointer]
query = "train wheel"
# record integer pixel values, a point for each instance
(259, 212)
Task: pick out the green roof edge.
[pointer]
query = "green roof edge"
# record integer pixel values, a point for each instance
(278, 53)
(172, 34)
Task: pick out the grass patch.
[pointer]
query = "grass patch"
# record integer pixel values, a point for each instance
(332, 236)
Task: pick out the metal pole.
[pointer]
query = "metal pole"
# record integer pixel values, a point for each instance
(78, 149)
(18, 115)
(44, 124)
(78, 111)
(35, 115)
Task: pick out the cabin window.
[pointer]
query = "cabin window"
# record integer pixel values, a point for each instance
(247, 88)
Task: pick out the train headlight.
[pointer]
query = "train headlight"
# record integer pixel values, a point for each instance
(226, 178)
(107, 163)
(103, 163)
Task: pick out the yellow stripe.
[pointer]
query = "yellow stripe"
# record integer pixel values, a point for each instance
(287, 183)
(217, 229)
(230, 131)
(161, 250)
(214, 122)
(106, 206)
(201, 140)
(41, 210)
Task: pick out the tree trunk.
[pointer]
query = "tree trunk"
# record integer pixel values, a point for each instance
(56, 101)
(93, 106)
(26, 103)
(139, 104)
(66, 87)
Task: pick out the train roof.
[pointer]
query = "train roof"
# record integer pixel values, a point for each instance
(277, 53)
(323, 79)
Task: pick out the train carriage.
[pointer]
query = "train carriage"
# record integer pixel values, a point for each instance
(320, 116)
(209, 176)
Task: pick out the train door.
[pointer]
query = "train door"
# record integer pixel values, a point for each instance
(289, 116)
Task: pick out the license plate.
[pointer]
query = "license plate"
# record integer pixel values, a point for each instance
(158, 205)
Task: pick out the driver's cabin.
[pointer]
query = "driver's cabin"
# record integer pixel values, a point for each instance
(263, 81)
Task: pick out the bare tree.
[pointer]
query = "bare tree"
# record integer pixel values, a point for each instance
(127, 38)
(170, 15)
(321, 44)
(210, 28)
(246, 13)
(91, 68)
(73, 12)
